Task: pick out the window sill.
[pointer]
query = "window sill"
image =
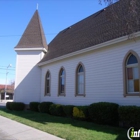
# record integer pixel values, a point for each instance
(80, 95)
(61, 94)
(131, 94)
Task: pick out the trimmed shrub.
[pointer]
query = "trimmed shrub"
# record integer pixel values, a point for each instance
(80, 112)
(34, 106)
(44, 107)
(68, 110)
(104, 113)
(129, 115)
(8, 105)
(56, 109)
(17, 106)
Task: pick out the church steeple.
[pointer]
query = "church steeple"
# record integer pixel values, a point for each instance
(33, 36)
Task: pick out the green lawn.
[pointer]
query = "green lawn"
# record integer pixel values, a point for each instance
(66, 128)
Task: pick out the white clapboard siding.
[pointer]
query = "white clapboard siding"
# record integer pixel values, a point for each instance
(103, 76)
(28, 76)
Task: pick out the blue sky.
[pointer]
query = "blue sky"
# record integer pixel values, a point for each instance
(55, 15)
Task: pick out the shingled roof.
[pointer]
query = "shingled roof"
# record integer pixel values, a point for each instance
(33, 36)
(93, 30)
(10, 88)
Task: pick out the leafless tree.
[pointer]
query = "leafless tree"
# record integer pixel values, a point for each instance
(133, 17)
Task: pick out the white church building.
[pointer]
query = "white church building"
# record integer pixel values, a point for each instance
(90, 61)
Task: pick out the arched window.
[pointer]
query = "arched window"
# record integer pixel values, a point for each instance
(132, 74)
(80, 80)
(47, 83)
(62, 84)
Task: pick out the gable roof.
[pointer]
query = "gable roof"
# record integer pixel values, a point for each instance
(33, 36)
(93, 30)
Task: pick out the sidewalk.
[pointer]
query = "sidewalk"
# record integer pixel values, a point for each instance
(12, 130)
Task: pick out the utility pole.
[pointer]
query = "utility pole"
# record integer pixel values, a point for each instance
(6, 79)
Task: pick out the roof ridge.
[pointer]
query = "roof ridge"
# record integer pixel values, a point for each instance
(93, 30)
(94, 14)
(41, 30)
(39, 25)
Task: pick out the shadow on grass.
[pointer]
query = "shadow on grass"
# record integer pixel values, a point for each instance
(46, 118)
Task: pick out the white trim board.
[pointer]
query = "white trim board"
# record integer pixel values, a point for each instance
(114, 41)
(30, 49)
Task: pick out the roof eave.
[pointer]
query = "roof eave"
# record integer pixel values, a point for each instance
(107, 43)
(31, 49)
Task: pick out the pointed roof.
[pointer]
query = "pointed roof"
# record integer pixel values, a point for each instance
(33, 36)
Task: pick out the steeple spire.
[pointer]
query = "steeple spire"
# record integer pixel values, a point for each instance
(37, 6)
(33, 36)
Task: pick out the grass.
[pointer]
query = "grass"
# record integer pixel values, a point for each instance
(66, 128)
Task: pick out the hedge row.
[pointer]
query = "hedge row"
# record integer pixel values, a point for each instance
(16, 106)
(129, 116)
(102, 112)
(81, 112)
(34, 106)
(44, 107)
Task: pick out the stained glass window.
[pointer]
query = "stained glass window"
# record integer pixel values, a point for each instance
(132, 74)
